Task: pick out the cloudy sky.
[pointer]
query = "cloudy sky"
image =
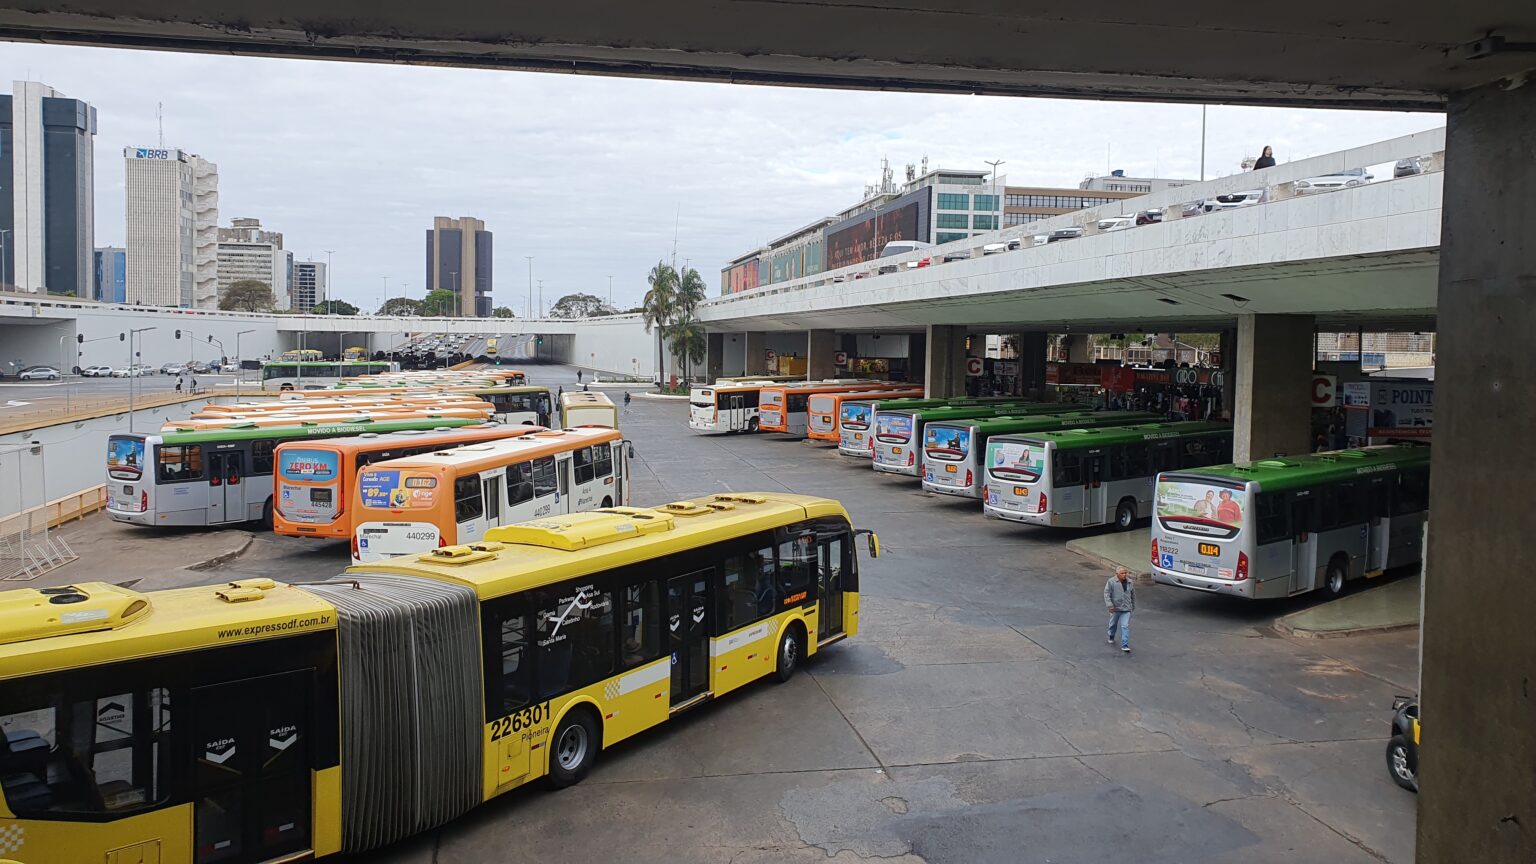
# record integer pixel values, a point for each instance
(591, 175)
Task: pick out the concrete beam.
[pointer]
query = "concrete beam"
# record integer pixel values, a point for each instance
(1033, 354)
(1479, 650)
(820, 346)
(1274, 375)
(944, 370)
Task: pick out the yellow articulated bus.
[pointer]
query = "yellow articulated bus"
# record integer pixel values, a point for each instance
(258, 721)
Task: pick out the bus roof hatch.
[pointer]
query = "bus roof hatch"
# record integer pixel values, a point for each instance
(584, 530)
(32, 613)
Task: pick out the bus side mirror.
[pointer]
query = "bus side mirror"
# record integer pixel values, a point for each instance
(872, 538)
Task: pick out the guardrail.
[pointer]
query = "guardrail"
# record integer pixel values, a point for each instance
(1274, 184)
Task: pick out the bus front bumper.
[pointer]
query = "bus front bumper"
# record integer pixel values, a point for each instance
(1208, 584)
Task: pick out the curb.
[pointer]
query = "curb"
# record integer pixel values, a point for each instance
(661, 397)
(223, 557)
(1142, 577)
(1289, 630)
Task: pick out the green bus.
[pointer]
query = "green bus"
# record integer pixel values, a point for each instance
(1077, 478)
(219, 476)
(1286, 526)
(898, 433)
(856, 416)
(955, 451)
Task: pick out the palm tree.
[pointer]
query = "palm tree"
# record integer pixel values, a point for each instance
(690, 344)
(690, 293)
(659, 305)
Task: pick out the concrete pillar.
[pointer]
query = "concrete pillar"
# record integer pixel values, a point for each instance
(944, 369)
(1274, 377)
(1479, 649)
(714, 360)
(755, 353)
(820, 345)
(1228, 374)
(1079, 348)
(1033, 353)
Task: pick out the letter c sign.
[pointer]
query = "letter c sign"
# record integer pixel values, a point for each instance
(1324, 391)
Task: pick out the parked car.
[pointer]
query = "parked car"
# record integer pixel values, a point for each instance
(1148, 217)
(1015, 243)
(1408, 167)
(1234, 200)
(1117, 223)
(230, 367)
(1348, 178)
(172, 369)
(96, 372)
(901, 247)
(1403, 748)
(994, 248)
(1065, 234)
(1193, 208)
(962, 255)
(39, 373)
(197, 367)
(138, 370)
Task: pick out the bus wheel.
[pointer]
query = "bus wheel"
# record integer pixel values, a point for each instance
(573, 748)
(1125, 515)
(791, 646)
(607, 502)
(266, 515)
(1335, 580)
(752, 425)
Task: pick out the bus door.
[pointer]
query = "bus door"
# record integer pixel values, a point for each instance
(469, 503)
(1379, 526)
(491, 485)
(618, 473)
(1094, 491)
(226, 486)
(563, 502)
(829, 587)
(251, 769)
(1303, 545)
(688, 627)
(736, 410)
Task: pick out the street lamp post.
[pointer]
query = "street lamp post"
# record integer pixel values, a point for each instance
(132, 372)
(329, 274)
(994, 163)
(610, 292)
(240, 372)
(541, 298)
(529, 307)
(3, 232)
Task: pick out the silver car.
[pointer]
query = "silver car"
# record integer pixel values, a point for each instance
(1346, 179)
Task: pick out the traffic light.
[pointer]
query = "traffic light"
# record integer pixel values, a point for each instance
(80, 338)
(178, 334)
(540, 340)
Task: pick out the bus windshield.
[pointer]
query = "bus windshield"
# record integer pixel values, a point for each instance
(893, 428)
(856, 415)
(952, 443)
(1013, 460)
(1200, 509)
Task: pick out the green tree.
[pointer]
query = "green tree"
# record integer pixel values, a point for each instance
(247, 295)
(690, 293)
(440, 302)
(335, 307)
(659, 306)
(690, 344)
(502, 312)
(400, 306)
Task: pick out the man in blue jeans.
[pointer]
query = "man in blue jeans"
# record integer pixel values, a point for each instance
(1120, 599)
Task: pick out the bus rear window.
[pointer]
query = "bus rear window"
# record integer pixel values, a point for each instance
(947, 442)
(1017, 461)
(125, 457)
(821, 404)
(894, 428)
(856, 415)
(1189, 506)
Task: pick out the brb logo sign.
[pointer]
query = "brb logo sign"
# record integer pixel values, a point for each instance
(1325, 390)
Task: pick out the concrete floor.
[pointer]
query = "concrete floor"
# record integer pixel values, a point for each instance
(979, 717)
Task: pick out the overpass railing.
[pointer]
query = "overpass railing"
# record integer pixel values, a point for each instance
(1424, 152)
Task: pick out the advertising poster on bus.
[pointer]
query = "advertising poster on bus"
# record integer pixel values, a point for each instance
(388, 489)
(309, 466)
(1017, 460)
(1200, 508)
(895, 427)
(857, 414)
(125, 457)
(947, 441)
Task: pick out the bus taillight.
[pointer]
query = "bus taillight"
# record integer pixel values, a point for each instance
(144, 501)
(1040, 507)
(1242, 566)
(912, 457)
(356, 553)
(968, 477)
(1154, 550)
(441, 541)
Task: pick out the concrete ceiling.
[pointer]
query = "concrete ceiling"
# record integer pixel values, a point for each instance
(1306, 52)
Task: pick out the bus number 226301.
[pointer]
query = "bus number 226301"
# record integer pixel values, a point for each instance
(518, 721)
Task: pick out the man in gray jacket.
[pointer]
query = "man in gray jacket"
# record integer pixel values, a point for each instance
(1120, 599)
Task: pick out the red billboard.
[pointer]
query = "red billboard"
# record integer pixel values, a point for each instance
(741, 277)
(860, 239)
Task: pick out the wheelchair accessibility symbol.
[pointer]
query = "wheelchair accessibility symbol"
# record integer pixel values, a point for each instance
(1165, 561)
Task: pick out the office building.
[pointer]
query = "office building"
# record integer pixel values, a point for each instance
(111, 275)
(459, 260)
(247, 251)
(172, 208)
(1025, 204)
(1116, 181)
(47, 191)
(308, 284)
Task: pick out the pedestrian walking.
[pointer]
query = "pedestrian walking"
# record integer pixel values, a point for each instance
(627, 397)
(1266, 159)
(1120, 599)
(578, 376)
(179, 379)
(559, 392)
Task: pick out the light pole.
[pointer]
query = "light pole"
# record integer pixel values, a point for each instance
(610, 292)
(385, 295)
(132, 372)
(239, 373)
(1202, 142)
(994, 163)
(453, 280)
(541, 298)
(329, 274)
(530, 285)
(3, 232)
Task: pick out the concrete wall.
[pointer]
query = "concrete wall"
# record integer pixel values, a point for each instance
(619, 346)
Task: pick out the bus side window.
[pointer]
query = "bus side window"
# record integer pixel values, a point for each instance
(575, 630)
(581, 462)
(797, 561)
(519, 483)
(602, 459)
(640, 630)
(467, 503)
(508, 680)
(180, 463)
(1131, 461)
(1273, 519)
(1412, 493)
(544, 476)
(1161, 456)
(748, 590)
(1068, 469)
(261, 456)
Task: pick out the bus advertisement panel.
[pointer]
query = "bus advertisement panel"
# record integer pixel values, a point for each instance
(1018, 460)
(1200, 509)
(309, 484)
(125, 458)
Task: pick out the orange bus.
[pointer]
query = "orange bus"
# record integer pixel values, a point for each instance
(782, 407)
(320, 418)
(314, 479)
(451, 497)
(824, 409)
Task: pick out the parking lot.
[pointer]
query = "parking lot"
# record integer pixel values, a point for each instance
(979, 716)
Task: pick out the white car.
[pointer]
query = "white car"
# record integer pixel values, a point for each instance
(1117, 223)
(130, 372)
(96, 372)
(39, 373)
(1234, 200)
(1346, 179)
(994, 248)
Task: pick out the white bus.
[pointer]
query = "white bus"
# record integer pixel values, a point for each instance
(1289, 525)
(318, 375)
(729, 406)
(1081, 477)
(898, 445)
(452, 497)
(954, 451)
